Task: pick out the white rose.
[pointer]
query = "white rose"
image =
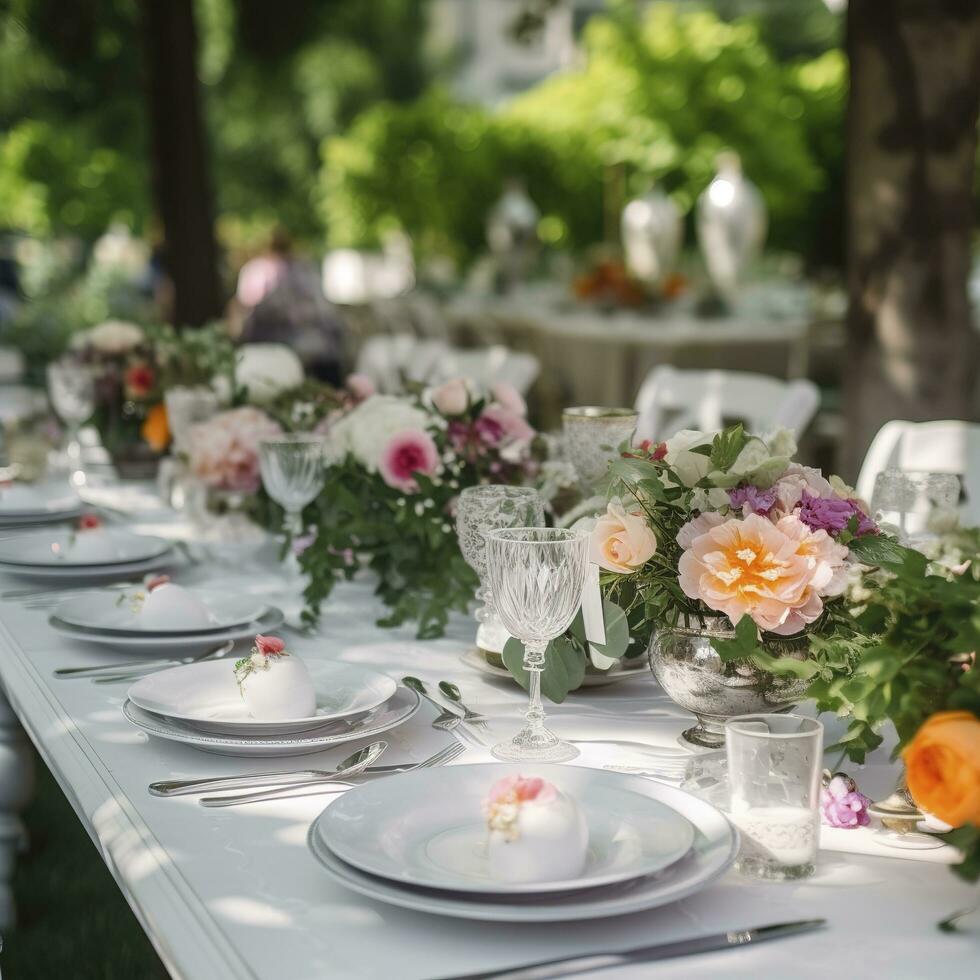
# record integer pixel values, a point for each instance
(267, 370)
(368, 428)
(451, 397)
(689, 467)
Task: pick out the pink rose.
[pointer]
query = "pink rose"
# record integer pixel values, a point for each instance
(451, 398)
(360, 386)
(155, 581)
(622, 541)
(513, 429)
(406, 454)
(509, 398)
(521, 789)
(269, 644)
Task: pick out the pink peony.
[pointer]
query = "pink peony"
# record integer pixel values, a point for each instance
(790, 487)
(269, 644)
(451, 397)
(842, 805)
(224, 450)
(752, 567)
(504, 428)
(360, 386)
(508, 398)
(406, 454)
(700, 525)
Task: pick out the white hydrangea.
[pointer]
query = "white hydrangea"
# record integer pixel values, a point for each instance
(110, 337)
(267, 370)
(367, 429)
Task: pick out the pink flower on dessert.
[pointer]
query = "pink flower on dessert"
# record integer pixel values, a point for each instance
(752, 567)
(622, 541)
(155, 581)
(521, 789)
(508, 398)
(360, 386)
(406, 454)
(269, 644)
(842, 805)
(451, 398)
(224, 451)
(89, 522)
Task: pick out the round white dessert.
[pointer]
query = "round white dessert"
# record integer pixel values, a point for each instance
(171, 607)
(281, 691)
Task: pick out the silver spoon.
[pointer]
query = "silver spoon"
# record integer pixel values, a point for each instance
(353, 764)
(139, 666)
(451, 693)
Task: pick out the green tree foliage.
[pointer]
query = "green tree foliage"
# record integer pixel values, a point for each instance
(659, 95)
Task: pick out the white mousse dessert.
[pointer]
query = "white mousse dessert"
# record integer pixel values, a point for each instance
(166, 606)
(537, 833)
(275, 684)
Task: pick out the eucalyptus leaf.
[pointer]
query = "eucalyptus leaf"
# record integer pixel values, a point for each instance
(617, 631)
(564, 667)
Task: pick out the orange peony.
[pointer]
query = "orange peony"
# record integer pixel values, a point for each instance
(942, 767)
(156, 430)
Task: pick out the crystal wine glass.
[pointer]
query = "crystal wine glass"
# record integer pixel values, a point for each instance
(917, 505)
(71, 388)
(293, 474)
(536, 576)
(486, 508)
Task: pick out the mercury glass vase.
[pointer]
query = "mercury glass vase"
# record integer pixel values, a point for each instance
(591, 436)
(686, 666)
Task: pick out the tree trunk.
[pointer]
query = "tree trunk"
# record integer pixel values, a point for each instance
(911, 145)
(181, 184)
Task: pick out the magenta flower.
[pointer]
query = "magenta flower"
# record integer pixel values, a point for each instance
(752, 500)
(406, 454)
(832, 514)
(842, 805)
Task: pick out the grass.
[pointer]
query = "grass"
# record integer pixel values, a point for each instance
(72, 920)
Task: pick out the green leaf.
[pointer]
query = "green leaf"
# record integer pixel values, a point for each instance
(617, 630)
(743, 646)
(726, 447)
(966, 839)
(564, 667)
(879, 549)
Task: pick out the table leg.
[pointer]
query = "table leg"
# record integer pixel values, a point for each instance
(16, 786)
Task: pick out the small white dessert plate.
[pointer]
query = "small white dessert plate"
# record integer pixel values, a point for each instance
(428, 830)
(476, 660)
(270, 619)
(390, 715)
(206, 696)
(118, 612)
(715, 848)
(34, 501)
(61, 548)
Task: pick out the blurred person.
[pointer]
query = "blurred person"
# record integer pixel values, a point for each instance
(279, 299)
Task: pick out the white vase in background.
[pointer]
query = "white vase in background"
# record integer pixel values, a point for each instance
(731, 222)
(652, 231)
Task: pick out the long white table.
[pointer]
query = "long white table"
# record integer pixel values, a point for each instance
(234, 893)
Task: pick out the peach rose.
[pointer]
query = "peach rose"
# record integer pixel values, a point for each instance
(622, 541)
(942, 767)
(451, 397)
(752, 567)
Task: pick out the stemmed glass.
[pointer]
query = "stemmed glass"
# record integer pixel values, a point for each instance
(486, 508)
(536, 576)
(917, 505)
(71, 388)
(292, 470)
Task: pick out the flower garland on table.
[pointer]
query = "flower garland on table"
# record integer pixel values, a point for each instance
(396, 467)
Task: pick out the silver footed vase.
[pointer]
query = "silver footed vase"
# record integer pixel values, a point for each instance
(694, 677)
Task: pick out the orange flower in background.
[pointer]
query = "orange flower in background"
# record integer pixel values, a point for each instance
(139, 380)
(942, 766)
(156, 430)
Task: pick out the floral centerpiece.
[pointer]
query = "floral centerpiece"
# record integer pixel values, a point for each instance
(396, 467)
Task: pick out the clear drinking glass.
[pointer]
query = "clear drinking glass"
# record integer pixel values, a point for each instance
(293, 474)
(536, 576)
(486, 508)
(774, 766)
(71, 388)
(592, 435)
(915, 504)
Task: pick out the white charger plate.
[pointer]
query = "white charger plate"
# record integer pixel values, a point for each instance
(113, 612)
(715, 847)
(26, 501)
(206, 696)
(429, 830)
(270, 619)
(69, 548)
(89, 573)
(390, 715)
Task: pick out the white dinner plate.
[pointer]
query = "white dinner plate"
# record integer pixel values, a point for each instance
(206, 696)
(270, 619)
(90, 573)
(36, 501)
(476, 660)
(715, 848)
(70, 548)
(429, 830)
(390, 715)
(116, 612)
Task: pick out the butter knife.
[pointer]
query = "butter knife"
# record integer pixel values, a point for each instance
(567, 966)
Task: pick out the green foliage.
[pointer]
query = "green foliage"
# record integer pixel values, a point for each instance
(194, 356)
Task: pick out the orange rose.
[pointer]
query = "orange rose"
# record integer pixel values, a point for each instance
(156, 430)
(622, 541)
(942, 767)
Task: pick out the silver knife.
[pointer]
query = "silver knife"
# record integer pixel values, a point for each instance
(568, 966)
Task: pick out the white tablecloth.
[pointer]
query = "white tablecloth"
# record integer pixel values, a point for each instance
(235, 893)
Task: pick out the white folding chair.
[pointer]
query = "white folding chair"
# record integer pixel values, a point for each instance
(670, 400)
(489, 365)
(391, 359)
(948, 446)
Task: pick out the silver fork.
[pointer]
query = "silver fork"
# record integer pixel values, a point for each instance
(451, 693)
(440, 758)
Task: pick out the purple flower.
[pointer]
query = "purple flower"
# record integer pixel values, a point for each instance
(842, 805)
(832, 514)
(757, 501)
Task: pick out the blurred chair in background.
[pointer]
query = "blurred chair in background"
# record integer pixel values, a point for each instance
(934, 447)
(670, 400)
